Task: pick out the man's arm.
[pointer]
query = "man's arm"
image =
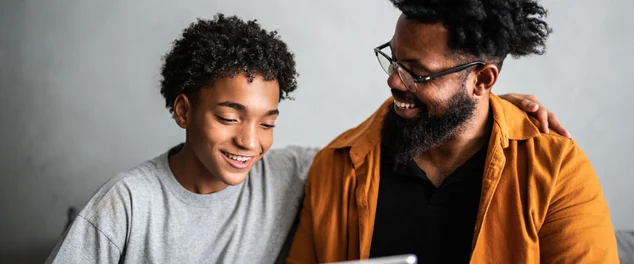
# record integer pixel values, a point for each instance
(577, 228)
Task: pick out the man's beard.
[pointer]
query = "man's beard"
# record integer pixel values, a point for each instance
(405, 139)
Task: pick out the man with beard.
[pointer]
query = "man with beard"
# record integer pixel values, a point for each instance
(446, 170)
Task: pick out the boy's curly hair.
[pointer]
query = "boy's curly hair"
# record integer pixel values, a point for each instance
(223, 47)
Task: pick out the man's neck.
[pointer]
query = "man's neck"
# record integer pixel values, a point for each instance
(192, 174)
(439, 162)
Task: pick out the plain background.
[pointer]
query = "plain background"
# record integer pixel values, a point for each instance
(79, 97)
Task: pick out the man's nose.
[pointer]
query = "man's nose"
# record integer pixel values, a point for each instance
(394, 81)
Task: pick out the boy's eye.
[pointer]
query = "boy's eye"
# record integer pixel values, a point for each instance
(226, 120)
(267, 126)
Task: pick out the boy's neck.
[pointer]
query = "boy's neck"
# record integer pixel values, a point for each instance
(192, 174)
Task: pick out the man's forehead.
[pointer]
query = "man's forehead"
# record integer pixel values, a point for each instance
(424, 42)
(416, 35)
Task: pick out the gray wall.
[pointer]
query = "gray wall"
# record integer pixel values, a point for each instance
(79, 93)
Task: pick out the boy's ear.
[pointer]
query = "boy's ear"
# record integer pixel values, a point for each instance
(182, 110)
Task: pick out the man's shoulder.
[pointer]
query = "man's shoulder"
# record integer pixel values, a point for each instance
(368, 130)
(550, 155)
(517, 125)
(330, 169)
(349, 149)
(551, 140)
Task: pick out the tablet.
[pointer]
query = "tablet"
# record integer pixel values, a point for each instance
(400, 259)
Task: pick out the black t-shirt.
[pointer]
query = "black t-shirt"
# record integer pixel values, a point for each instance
(415, 217)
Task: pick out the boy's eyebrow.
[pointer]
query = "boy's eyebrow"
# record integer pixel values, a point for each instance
(272, 112)
(240, 107)
(233, 105)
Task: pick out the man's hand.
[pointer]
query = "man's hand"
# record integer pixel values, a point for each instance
(530, 104)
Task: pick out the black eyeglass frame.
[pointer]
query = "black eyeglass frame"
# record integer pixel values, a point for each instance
(418, 78)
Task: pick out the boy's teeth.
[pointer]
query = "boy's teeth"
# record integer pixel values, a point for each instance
(238, 158)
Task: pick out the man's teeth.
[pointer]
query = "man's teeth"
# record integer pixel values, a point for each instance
(404, 105)
(237, 158)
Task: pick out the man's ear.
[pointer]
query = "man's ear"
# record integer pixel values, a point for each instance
(182, 110)
(486, 76)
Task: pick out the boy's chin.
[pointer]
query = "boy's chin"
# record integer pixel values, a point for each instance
(233, 179)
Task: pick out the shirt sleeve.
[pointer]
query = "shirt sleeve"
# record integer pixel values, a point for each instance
(304, 157)
(577, 228)
(83, 242)
(98, 234)
(294, 160)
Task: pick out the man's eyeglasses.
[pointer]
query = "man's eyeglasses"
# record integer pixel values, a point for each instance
(409, 78)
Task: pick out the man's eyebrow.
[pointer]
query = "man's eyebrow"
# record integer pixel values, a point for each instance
(411, 61)
(233, 105)
(415, 64)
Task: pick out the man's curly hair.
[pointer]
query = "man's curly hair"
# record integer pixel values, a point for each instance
(223, 47)
(486, 29)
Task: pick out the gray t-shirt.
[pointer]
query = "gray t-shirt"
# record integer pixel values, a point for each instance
(145, 216)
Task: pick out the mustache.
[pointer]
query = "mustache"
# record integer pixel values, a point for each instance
(405, 97)
(403, 139)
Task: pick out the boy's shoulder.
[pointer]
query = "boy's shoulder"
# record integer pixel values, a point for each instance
(116, 195)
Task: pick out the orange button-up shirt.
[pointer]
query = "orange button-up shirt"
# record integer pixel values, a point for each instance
(541, 200)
